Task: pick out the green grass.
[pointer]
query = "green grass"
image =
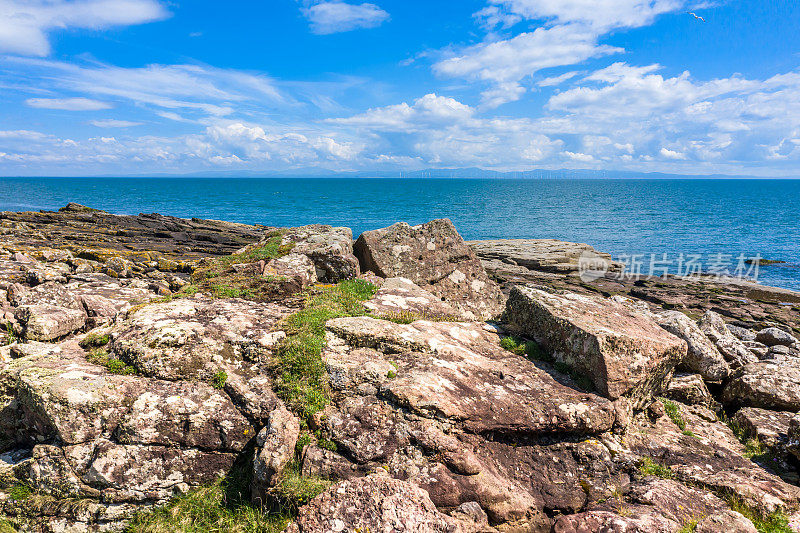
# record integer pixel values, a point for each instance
(219, 379)
(674, 414)
(407, 317)
(6, 526)
(208, 510)
(112, 364)
(775, 522)
(527, 348)
(754, 449)
(688, 527)
(299, 367)
(649, 468)
(295, 490)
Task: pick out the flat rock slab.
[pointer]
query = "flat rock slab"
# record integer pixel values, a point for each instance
(623, 352)
(546, 255)
(435, 257)
(195, 338)
(401, 297)
(707, 454)
(375, 503)
(460, 372)
(766, 384)
(771, 428)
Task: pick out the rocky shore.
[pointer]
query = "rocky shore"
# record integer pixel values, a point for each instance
(164, 374)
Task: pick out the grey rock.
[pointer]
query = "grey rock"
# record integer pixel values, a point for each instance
(775, 337)
(728, 345)
(702, 357)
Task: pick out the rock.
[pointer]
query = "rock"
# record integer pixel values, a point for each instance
(778, 351)
(771, 428)
(689, 389)
(728, 521)
(49, 322)
(793, 436)
(743, 334)
(676, 501)
(330, 249)
(702, 357)
(636, 519)
(275, 449)
(709, 456)
(766, 384)
(401, 297)
(728, 345)
(775, 337)
(196, 338)
(375, 503)
(294, 266)
(546, 255)
(458, 371)
(435, 257)
(622, 352)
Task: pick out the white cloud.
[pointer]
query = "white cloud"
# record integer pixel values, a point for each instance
(577, 156)
(113, 123)
(569, 33)
(671, 154)
(335, 17)
(68, 104)
(557, 80)
(24, 24)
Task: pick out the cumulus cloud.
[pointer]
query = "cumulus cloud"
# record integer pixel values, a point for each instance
(334, 17)
(569, 33)
(25, 24)
(68, 104)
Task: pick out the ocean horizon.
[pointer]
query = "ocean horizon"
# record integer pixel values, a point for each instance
(636, 220)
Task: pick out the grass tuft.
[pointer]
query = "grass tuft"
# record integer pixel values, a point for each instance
(295, 490)
(94, 340)
(6, 526)
(407, 317)
(299, 368)
(112, 364)
(776, 522)
(20, 492)
(674, 414)
(219, 379)
(649, 468)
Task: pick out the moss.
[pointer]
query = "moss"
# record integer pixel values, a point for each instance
(391, 374)
(94, 340)
(407, 317)
(102, 358)
(529, 349)
(6, 526)
(219, 379)
(299, 368)
(20, 492)
(648, 468)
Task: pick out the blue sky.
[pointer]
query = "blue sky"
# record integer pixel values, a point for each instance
(116, 87)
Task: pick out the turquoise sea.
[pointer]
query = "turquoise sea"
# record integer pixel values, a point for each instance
(719, 220)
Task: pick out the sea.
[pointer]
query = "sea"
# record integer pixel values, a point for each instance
(652, 225)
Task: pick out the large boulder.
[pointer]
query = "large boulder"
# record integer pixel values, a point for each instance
(435, 257)
(767, 384)
(771, 428)
(689, 389)
(702, 357)
(623, 353)
(775, 337)
(275, 448)
(403, 299)
(329, 248)
(375, 503)
(731, 348)
(196, 338)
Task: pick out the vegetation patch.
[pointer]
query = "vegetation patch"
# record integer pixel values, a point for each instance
(6, 526)
(20, 492)
(102, 358)
(754, 449)
(775, 522)
(295, 490)
(407, 317)
(229, 276)
(219, 379)
(528, 349)
(674, 414)
(649, 468)
(299, 368)
(94, 340)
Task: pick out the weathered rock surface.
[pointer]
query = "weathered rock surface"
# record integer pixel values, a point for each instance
(771, 428)
(546, 255)
(622, 352)
(793, 436)
(375, 503)
(435, 257)
(689, 389)
(329, 248)
(766, 384)
(275, 449)
(775, 337)
(196, 338)
(401, 297)
(727, 343)
(702, 357)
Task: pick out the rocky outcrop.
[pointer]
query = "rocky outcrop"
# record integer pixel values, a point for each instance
(770, 428)
(702, 356)
(689, 389)
(402, 298)
(435, 257)
(766, 384)
(727, 343)
(624, 353)
(545, 255)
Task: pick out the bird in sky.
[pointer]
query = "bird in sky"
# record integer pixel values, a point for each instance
(698, 17)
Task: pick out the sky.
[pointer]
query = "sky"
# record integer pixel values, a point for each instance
(141, 87)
